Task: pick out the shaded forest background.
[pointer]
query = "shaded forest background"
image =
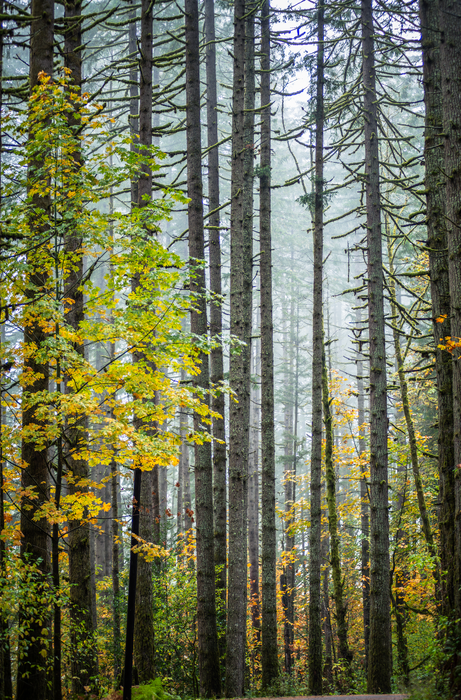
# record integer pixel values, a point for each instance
(230, 328)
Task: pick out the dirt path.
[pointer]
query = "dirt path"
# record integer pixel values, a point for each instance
(343, 697)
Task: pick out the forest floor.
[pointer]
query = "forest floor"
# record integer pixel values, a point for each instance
(343, 697)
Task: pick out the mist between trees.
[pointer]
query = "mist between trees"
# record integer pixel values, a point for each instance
(230, 311)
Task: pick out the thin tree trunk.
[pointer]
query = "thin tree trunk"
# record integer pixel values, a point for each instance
(440, 292)
(364, 500)
(269, 655)
(239, 413)
(206, 602)
(327, 631)
(32, 672)
(425, 522)
(6, 687)
(253, 502)
(315, 621)
(216, 356)
(335, 556)
(289, 477)
(379, 661)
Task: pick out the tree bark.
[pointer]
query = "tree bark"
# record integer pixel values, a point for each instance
(335, 555)
(32, 672)
(440, 292)
(206, 602)
(216, 356)
(450, 62)
(379, 661)
(253, 502)
(315, 621)
(239, 374)
(364, 500)
(269, 655)
(149, 528)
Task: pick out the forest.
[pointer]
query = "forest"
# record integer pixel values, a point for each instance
(230, 354)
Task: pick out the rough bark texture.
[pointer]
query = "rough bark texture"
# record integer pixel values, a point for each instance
(450, 62)
(364, 500)
(116, 621)
(335, 556)
(253, 499)
(269, 656)
(83, 662)
(206, 603)
(216, 356)
(239, 413)
(379, 660)
(32, 675)
(149, 528)
(315, 621)
(144, 620)
(440, 292)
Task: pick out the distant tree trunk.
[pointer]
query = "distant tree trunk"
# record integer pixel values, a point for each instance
(364, 500)
(269, 655)
(32, 672)
(335, 557)
(440, 292)
(253, 502)
(239, 374)
(148, 527)
(379, 661)
(425, 522)
(315, 621)
(216, 355)
(289, 487)
(206, 603)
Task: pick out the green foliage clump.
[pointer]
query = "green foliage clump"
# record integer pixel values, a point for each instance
(152, 691)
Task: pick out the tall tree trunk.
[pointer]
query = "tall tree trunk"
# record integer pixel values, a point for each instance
(253, 501)
(440, 292)
(83, 664)
(206, 603)
(450, 63)
(364, 500)
(216, 356)
(6, 688)
(144, 615)
(239, 374)
(32, 673)
(379, 661)
(269, 655)
(335, 555)
(315, 621)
